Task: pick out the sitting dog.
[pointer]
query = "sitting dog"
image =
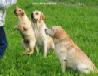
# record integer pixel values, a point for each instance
(39, 27)
(26, 31)
(69, 54)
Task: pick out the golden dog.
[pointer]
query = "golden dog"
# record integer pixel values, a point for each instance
(69, 54)
(39, 27)
(26, 31)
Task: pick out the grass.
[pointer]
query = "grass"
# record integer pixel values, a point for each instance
(85, 2)
(80, 23)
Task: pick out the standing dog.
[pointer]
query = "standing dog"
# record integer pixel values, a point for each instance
(69, 54)
(26, 31)
(39, 27)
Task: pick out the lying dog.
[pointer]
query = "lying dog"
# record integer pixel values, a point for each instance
(69, 54)
(26, 31)
(39, 27)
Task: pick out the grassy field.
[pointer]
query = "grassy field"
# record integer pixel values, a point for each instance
(85, 2)
(80, 23)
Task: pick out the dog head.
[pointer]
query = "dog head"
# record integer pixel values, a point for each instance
(19, 12)
(37, 16)
(56, 32)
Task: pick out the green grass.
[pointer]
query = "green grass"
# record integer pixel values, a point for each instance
(80, 23)
(85, 2)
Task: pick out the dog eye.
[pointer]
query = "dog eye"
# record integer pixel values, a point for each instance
(20, 10)
(36, 13)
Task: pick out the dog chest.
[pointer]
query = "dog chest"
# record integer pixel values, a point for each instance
(64, 54)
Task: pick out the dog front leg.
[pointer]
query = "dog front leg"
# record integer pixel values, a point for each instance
(63, 65)
(31, 47)
(26, 50)
(45, 48)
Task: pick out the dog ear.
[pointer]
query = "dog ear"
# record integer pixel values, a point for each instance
(42, 16)
(56, 34)
(22, 13)
(59, 33)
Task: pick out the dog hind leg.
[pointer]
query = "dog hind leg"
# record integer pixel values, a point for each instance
(26, 47)
(31, 47)
(63, 65)
(45, 48)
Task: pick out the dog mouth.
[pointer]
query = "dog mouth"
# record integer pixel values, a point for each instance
(34, 20)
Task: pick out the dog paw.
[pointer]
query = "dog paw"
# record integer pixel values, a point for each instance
(28, 52)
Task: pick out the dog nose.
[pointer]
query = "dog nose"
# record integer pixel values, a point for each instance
(32, 16)
(45, 30)
(15, 11)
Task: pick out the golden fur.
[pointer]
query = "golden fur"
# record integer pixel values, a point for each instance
(39, 27)
(26, 31)
(70, 55)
